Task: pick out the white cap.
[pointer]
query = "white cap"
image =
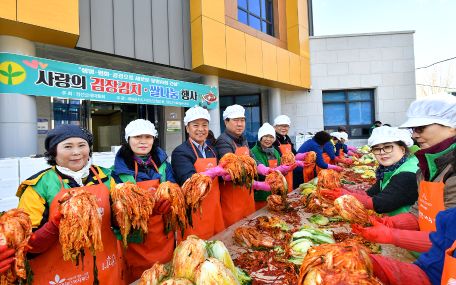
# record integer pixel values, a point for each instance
(266, 129)
(196, 113)
(343, 135)
(433, 109)
(140, 127)
(282, 120)
(336, 135)
(389, 134)
(233, 112)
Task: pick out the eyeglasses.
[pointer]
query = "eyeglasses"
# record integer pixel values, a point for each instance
(386, 149)
(417, 130)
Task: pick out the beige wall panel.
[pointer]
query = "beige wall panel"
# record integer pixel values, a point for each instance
(303, 15)
(214, 9)
(283, 65)
(8, 9)
(304, 42)
(293, 39)
(292, 13)
(195, 9)
(254, 56)
(197, 43)
(295, 69)
(269, 61)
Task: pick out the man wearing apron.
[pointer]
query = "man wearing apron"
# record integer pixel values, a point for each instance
(195, 156)
(238, 202)
(143, 163)
(68, 149)
(435, 117)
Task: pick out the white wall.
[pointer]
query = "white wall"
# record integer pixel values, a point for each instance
(381, 61)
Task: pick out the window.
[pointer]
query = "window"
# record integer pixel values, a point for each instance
(353, 109)
(251, 104)
(258, 14)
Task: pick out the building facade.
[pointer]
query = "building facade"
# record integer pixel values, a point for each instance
(257, 53)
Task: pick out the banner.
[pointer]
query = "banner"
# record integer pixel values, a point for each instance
(43, 77)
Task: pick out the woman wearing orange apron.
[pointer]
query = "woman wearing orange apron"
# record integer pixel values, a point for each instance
(141, 162)
(68, 151)
(195, 156)
(238, 202)
(268, 156)
(436, 120)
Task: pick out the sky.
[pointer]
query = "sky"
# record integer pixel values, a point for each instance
(434, 22)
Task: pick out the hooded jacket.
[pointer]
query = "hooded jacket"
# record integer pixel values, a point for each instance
(225, 143)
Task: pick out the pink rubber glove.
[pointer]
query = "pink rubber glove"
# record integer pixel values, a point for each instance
(285, 168)
(390, 271)
(264, 170)
(299, 163)
(227, 178)
(335, 167)
(352, 148)
(365, 199)
(351, 153)
(301, 156)
(216, 171)
(263, 186)
(404, 221)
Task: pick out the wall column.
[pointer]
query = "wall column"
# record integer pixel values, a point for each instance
(274, 104)
(18, 117)
(214, 125)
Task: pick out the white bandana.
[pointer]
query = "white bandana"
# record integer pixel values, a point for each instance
(76, 175)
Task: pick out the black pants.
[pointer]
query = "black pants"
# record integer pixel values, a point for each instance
(298, 178)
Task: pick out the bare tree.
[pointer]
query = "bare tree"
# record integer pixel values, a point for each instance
(435, 79)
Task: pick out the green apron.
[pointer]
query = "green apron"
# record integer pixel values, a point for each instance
(410, 165)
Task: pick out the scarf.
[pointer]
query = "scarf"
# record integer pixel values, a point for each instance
(77, 176)
(421, 154)
(270, 152)
(145, 161)
(380, 173)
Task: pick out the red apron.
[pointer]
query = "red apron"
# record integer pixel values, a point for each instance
(284, 148)
(327, 159)
(211, 221)
(156, 247)
(449, 267)
(430, 203)
(50, 266)
(261, 204)
(237, 203)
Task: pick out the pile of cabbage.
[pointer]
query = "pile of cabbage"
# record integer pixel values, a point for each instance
(306, 238)
(367, 158)
(196, 261)
(363, 149)
(365, 171)
(309, 187)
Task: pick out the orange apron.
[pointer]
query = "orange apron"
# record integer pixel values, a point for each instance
(327, 159)
(449, 267)
(211, 221)
(430, 203)
(284, 148)
(341, 153)
(50, 266)
(261, 204)
(156, 246)
(238, 202)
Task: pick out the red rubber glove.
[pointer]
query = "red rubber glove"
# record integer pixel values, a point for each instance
(301, 156)
(5, 258)
(404, 221)
(365, 199)
(340, 160)
(161, 207)
(334, 193)
(378, 233)
(335, 167)
(285, 168)
(393, 272)
(264, 170)
(216, 171)
(46, 236)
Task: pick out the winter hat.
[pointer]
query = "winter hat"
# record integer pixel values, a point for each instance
(140, 127)
(266, 129)
(434, 109)
(389, 134)
(233, 112)
(196, 113)
(282, 120)
(66, 131)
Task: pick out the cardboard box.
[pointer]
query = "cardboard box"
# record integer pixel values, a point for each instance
(103, 159)
(9, 168)
(8, 187)
(8, 204)
(115, 148)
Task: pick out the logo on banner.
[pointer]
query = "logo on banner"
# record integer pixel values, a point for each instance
(72, 280)
(11, 73)
(424, 197)
(209, 166)
(451, 281)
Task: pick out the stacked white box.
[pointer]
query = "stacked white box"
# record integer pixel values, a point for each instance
(8, 204)
(8, 187)
(115, 148)
(103, 159)
(30, 166)
(9, 168)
